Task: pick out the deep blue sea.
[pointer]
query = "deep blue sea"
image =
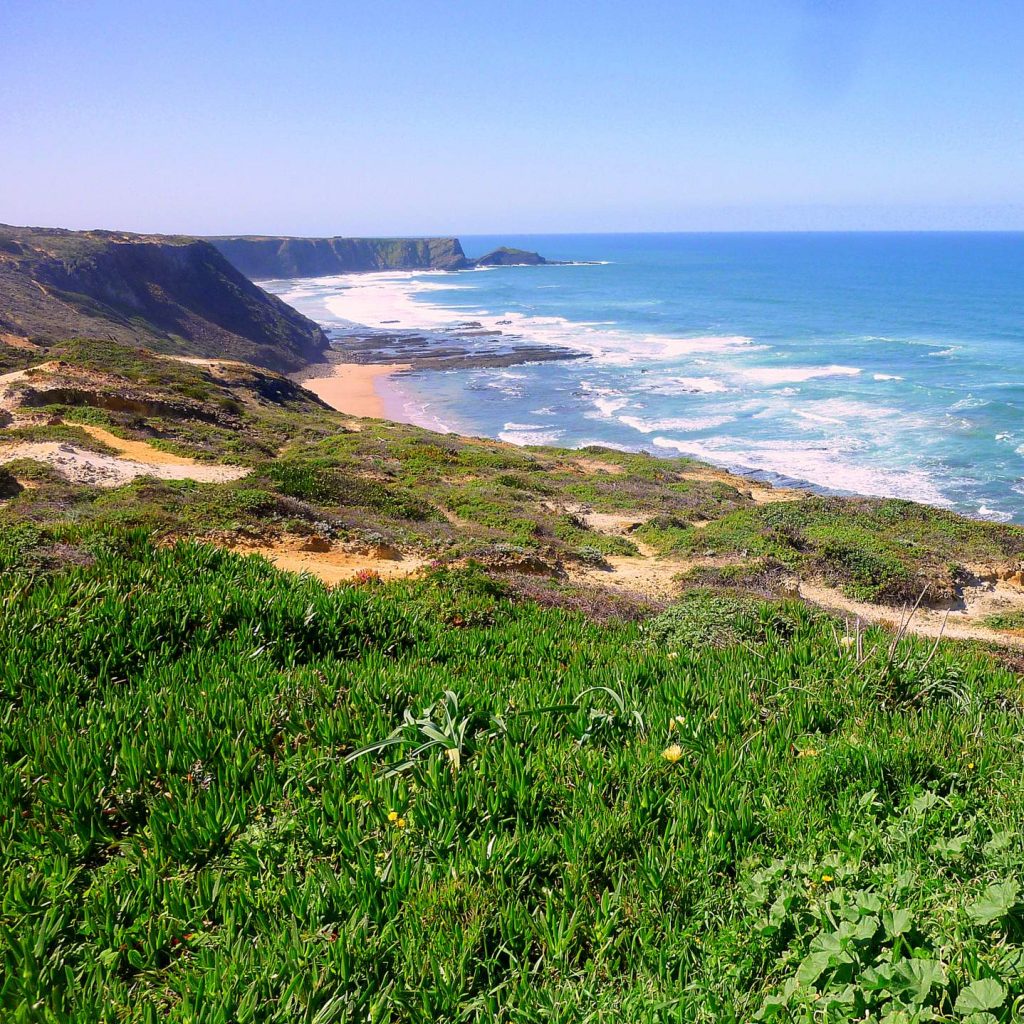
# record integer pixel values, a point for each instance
(883, 364)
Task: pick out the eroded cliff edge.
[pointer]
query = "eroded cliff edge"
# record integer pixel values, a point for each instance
(174, 294)
(263, 257)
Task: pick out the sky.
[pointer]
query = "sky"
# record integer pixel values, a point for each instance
(488, 116)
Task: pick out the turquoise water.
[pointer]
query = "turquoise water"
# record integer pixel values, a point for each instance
(887, 364)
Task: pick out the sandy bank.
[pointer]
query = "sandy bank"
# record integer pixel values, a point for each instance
(351, 388)
(81, 466)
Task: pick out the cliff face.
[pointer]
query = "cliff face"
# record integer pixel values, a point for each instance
(263, 257)
(172, 294)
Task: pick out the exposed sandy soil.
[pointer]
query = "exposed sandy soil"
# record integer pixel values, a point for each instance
(960, 622)
(597, 466)
(17, 341)
(647, 574)
(134, 459)
(333, 564)
(140, 451)
(15, 376)
(658, 577)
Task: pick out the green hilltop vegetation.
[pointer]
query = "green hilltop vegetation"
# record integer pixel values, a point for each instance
(496, 789)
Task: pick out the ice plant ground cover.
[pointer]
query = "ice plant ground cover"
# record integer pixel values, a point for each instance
(187, 836)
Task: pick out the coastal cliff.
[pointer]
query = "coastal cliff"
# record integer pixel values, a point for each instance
(174, 294)
(263, 257)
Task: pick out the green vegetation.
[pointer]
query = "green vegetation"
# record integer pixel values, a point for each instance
(887, 550)
(1008, 621)
(454, 497)
(58, 434)
(229, 794)
(555, 820)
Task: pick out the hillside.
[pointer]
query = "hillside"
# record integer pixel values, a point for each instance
(173, 294)
(520, 733)
(262, 257)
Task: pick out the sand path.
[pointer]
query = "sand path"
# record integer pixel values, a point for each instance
(658, 577)
(134, 459)
(961, 622)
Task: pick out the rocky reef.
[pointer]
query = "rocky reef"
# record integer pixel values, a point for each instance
(263, 257)
(174, 294)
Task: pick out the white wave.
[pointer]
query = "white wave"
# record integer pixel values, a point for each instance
(601, 443)
(529, 433)
(840, 411)
(689, 386)
(684, 424)
(794, 374)
(609, 406)
(994, 514)
(887, 376)
(951, 351)
(403, 300)
(825, 465)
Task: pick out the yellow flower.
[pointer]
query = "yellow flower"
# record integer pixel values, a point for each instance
(393, 816)
(400, 823)
(970, 767)
(826, 878)
(672, 753)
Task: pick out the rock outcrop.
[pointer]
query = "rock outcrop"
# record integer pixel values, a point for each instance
(173, 294)
(508, 257)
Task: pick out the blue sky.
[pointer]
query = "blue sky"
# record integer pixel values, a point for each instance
(387, 116)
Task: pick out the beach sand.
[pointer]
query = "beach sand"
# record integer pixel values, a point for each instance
(351, 388)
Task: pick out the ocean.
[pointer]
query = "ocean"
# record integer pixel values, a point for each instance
(875, 364)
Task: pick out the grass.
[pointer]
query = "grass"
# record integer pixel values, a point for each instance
(569, 821)
(455, 497)
(875, 550)
(1008, 621)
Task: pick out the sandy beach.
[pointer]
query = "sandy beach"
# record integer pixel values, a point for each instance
(351, 388)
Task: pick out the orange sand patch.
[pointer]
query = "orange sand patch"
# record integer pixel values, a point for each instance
(333, 565)
(17, 341)
(352, 388)
(138, 451)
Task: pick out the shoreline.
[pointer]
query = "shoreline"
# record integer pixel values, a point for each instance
(353, 388)
(430, 326)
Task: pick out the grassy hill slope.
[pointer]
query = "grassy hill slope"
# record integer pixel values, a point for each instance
(499, 789)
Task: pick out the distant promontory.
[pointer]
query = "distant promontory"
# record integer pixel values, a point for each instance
(263, 257)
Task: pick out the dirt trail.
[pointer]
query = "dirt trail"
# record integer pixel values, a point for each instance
(332, 565)
(16, 377)
(647, 574)
(657, 577)
(139, 451)
(134, 459)
(961, 622)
